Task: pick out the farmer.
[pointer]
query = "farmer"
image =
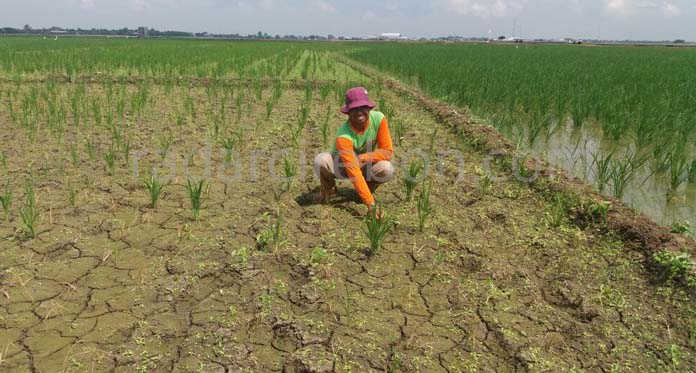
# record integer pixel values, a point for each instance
(354, 155)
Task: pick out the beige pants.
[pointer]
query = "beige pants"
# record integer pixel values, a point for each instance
(328, 168)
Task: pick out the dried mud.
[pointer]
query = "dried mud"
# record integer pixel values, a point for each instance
(490, 285)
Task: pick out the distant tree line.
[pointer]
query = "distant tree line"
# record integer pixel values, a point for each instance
(151, 32)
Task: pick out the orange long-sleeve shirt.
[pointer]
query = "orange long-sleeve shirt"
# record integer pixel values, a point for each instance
(353, 162)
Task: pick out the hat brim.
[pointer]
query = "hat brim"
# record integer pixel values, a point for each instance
(346, 109)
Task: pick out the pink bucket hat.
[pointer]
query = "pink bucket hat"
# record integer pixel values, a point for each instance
(356, 97)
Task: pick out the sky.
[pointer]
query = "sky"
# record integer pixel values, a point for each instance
(596, 19)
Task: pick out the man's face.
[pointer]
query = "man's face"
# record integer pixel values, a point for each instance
(359, 115)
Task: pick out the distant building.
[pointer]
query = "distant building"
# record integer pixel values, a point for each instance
(387, 36)
(142, 32)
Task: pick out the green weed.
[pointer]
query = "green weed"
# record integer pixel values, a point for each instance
(683, 227)
(675, 266)
(318, 255)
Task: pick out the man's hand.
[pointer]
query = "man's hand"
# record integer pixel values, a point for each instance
(374, 209)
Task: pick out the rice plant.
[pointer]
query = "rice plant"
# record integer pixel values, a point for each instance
(325, 127)
(602, 169)
(154, 187)
(290, 171)
(228, 144)
(377, 228)
(621, 175)
(423, 204)
(272, 235)
(399, 131)
(413, 174)
(195, 194)
(165, 142)
(29, 213)
(89, 146)
(6, 200)
(74, 155)
(110, 159)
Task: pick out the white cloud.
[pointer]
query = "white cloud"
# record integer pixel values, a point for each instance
(627, 7)
(670, 9)
(619, 7)
(325, 6)
(369, 16)
(485, 8)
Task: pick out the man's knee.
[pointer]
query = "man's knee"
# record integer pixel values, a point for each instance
(323, 163)
(382, 171)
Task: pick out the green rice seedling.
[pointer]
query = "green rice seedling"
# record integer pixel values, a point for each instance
(272, 235)
(121, 107)
(413, 174)
(423, 204)
(433, 137)
(485, 184)
(386, 109)
(277, 91)
(303, 117)
(239, 105)
(189, 106)
(180, 119)
(74, 154)
(399, 131)
(195, 193)
(6, 200)
(89, 145)
(691, 177)
(678, 169)
(270, 103)
(258, 89)
(165, 142)
(309, 91)
(290, 171)
(3, 159)
(377, 228)
(621, 175)
(29, 213)
(603, 169)
(154, 187)
(110, 159)
(325, 127)
(72, 194)
(228, 144)
(324, 91)
(556, 215)
(126, 148)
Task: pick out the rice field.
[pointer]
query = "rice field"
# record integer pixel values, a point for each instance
(157, 216)
(621, 118)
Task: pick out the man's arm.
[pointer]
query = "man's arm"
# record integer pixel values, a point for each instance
(352, 165)
(385, 150)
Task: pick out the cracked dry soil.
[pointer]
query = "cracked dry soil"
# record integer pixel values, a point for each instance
(112, 284)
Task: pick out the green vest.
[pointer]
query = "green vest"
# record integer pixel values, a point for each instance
(361, 143)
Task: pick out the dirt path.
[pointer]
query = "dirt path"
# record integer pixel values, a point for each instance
(495, 282)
